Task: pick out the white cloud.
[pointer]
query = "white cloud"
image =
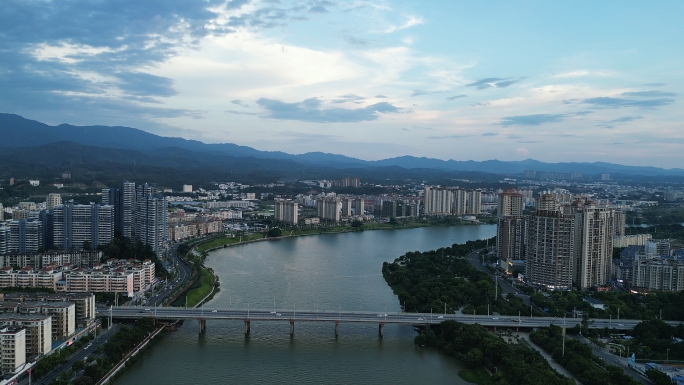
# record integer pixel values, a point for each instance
(65, 52)
(411, 21)
(522, 151)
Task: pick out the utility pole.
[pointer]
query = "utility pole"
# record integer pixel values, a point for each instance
(496, 287)
(563, 335)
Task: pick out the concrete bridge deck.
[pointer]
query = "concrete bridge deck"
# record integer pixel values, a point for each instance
(279, 315)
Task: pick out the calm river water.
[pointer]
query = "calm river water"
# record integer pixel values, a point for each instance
(325, 272)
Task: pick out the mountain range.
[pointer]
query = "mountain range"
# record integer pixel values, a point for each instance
(20, 136)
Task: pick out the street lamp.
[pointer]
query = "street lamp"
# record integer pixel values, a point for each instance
(667, 355)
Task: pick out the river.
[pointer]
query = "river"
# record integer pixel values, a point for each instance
(325, 272)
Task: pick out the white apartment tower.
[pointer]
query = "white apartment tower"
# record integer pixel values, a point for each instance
(438, 201)
(358, 206)
(52, 201)
(347, 204)
(474, 202)
(593, 243)
(460, 202)
(329, 209)
(286, 211)
(511, 229)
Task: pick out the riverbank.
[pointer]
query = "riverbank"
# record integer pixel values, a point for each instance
(221, 242)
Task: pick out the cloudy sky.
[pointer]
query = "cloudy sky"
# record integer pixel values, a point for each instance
(553, 81)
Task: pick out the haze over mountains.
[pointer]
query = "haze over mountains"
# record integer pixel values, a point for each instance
(64, 143)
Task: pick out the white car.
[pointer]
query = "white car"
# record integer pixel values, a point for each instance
(214, 311)
(440, 317)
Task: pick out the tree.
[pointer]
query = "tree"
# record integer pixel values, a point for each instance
(357, 224)
(274, 232)
(473, 358)
(658, 377)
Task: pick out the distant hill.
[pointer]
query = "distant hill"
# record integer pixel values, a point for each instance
(17, 132)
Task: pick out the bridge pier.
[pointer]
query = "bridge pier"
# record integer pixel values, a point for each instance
(291, 328)
(247, 327)
(202, 325)
(380, 327)
(337, 328)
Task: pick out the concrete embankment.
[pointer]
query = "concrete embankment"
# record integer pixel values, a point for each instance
(121, 365)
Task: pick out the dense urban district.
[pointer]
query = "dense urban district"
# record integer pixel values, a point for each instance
(568, 245)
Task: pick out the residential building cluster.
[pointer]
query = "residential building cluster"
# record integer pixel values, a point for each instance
(655, 265)
(136, 212)
(30, 323)
(117, 276)
(560, 245)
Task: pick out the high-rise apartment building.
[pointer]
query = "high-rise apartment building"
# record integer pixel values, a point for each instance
(127, 209)
(347, 207)
(569, 245)
(47, 217)
(150, 217)
(460, 202)
(511, 229)
(4, 238)
(550, 251)
(438, 200)
(546, 202)
(653, 272)
(76, 224)
(52, 201)
(349, 181)
(510, 204)
(657, 247)
(359, 206)
(286, 211)
(329, 209)
(474, 202)
(26, 236)
(593, 242)
(2, 212)
(123, 200)
(620, 219)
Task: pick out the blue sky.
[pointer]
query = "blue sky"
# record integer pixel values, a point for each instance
(553, 81)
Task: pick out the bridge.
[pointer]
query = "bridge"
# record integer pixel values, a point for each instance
(336, 317)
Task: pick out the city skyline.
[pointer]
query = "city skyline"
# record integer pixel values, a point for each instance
(552, 82)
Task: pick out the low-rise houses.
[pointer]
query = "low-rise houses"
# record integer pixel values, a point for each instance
(118, 276)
